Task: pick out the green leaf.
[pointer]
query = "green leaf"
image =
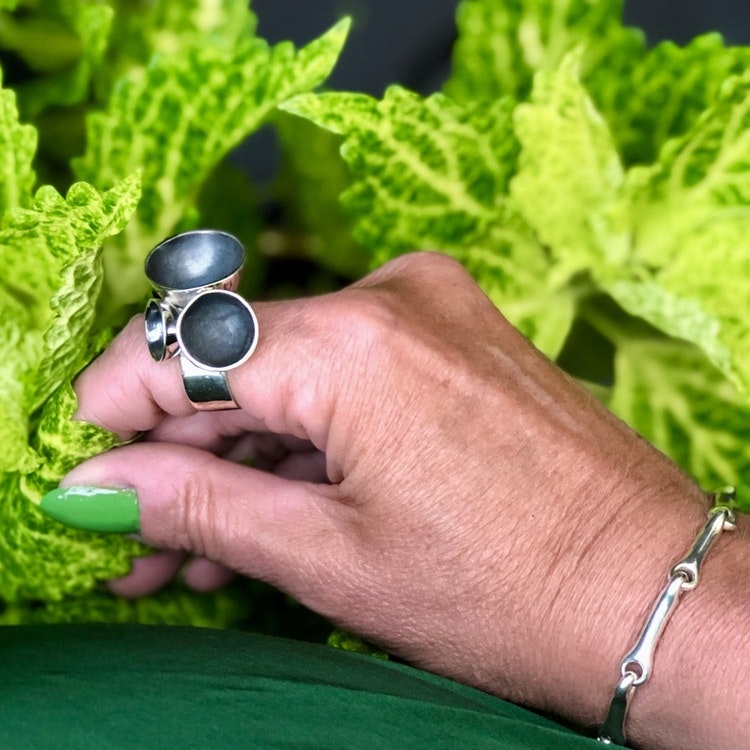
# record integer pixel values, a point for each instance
(681, 317)
(544, 317)
(501, 45)
(432, 174)
(172, 606)
(312, 177)
(40, 38)
(64, 41)
(691, 218)
(51, 253)
(22, 351)
(346, 641)
(17, 148)
(649, 99)
(699, 178)
(521, 282)
(69, 339)
(569, 174)
(61, 442)
(427, 172)
(670, 393)
(40, 558)
(143, 28)
(176, 121)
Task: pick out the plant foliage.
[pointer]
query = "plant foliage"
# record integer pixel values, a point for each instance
(598, 190)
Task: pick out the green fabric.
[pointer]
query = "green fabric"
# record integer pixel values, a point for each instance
(155, 687)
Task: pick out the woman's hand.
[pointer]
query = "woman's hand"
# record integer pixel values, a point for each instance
(441, 489)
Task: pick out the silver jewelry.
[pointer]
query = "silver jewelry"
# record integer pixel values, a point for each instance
(635, 668)
(196, 314)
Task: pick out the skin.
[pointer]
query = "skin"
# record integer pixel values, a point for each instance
(426, 478)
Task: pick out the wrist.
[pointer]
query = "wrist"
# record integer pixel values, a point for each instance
(692, 699)
(696, 699)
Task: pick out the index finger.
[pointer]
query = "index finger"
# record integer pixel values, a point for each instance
(126, 392)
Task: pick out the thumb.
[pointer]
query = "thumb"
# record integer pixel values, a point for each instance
(180, 497)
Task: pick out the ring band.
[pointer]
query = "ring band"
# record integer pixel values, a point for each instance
(196, 314)
(207, 390)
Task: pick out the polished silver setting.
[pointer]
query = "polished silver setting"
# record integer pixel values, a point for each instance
(207, 390)
(196, 313)
(636, 665)
(192, 262)
(161, 335)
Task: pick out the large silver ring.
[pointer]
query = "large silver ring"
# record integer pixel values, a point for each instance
(195, 312)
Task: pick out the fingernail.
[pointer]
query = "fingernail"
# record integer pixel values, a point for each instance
(109, 509)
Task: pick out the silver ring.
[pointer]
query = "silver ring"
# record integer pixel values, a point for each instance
(216, 331)
(160, 330)
(196, 314)
(207, 390)
(189, 263)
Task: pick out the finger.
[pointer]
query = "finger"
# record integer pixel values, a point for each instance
(202, 430)
(205, 575)
(120, 390)
(127, 392)
(320, 364)
(263, 526)
(229, 438)
(148, 574)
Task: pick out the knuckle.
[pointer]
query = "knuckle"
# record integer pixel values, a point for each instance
(421, 265)
(433, 261)
(369, 312)
(371, 317)
(194, 514)
(360, 326)
(362, 318)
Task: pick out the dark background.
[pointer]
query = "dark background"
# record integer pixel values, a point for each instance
(409, 41)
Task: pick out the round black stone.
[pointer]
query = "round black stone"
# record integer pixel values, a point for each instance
(194, 259)
(217, 330)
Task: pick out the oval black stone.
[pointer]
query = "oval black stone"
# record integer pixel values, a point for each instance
(217, 330)
(194, 259)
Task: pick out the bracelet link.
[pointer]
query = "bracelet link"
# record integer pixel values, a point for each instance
(720, 519)
(636, 666)
(639, 661)
(612, 731)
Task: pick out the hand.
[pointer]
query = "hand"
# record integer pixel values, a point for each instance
(481, 515)
(282, 455)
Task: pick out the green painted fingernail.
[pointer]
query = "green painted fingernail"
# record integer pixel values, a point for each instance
(110, 509)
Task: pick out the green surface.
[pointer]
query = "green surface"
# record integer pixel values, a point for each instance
(147, 687)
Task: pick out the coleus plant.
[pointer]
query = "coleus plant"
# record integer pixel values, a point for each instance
(598, 190)
(182, 85)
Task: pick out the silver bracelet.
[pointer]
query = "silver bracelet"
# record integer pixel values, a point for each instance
(635, 668)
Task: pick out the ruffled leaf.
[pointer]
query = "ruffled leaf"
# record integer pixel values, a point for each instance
(176, 121)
